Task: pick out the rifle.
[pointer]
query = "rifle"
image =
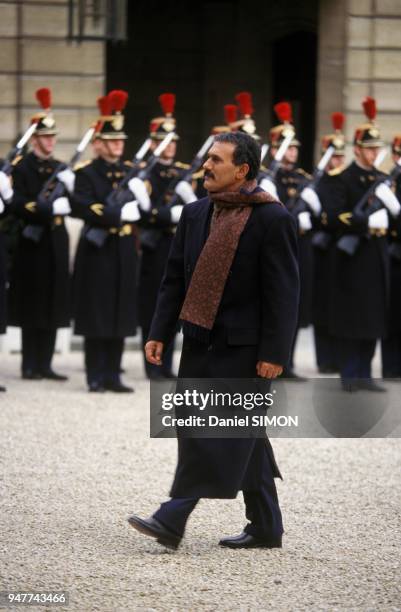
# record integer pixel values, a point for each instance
(187, 176)
(276, 161)
(264, 151)
(7, 166)
(120, 196)
(350, 242)
(55, 187)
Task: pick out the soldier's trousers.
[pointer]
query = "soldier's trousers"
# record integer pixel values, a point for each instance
(391, 356)
(37, 350)
(356, 358)
(103, 360)
(261, 509)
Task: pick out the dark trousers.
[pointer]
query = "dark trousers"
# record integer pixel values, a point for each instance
(37, 349)
(261, 509)
(153, 371)
(391, 356)
(325, 347)
(103, 360)
(356, 358)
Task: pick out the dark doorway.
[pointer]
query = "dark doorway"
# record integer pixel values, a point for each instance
(294, 59)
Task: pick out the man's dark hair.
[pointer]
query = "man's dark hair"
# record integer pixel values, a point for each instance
(247, 151)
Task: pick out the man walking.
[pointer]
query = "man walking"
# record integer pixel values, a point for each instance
(232, 280)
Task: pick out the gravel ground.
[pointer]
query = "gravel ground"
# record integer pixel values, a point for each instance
(74, 465)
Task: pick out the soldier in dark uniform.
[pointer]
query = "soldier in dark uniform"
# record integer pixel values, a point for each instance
(104, 288)
(359, 303)
(39, 278)
(323, 243)
(6, 194)
(158, 227)
(391, 344)
(289, 182)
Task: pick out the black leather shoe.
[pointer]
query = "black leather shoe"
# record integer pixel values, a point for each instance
(246, 540)
(52, 375)
(31, 375)
(151, 527)
(370, 385)
(2, 389)
(96, 387)
(118, 387)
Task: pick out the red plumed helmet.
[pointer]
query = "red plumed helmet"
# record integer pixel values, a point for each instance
(283, 111)
(118, 100)
(230, 113)
(244, 99)
(369, 107)
(44, 97)
(338, 119)
(104, 104)
(167, 102)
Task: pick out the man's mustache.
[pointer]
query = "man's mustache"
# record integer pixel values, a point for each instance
(208, 174)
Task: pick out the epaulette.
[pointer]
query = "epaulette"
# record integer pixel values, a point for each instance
(182, 165)
(336, 171)
(199, 174)
(82, 164)
(263, 168)
(305, 174)
(128, 163)
(17, 160)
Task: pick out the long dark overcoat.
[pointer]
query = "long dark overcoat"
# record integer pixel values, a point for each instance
(105, 277)
(256, 320)
(290, 183)
(360, 291)
(39, 276)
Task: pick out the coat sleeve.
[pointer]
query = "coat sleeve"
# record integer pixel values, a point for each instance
(87, 207)
(172, 289)
(280, 290)
(339, 214)
(24, 206)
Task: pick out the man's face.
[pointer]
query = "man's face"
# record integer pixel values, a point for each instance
(43, 146)
(291, 155)
(220, 172)
(367, 155)
(111, 150)
(396, 157)
(169, 152)
(336, 161)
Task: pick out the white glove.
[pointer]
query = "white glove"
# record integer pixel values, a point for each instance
(270, 187)
(378, 220)
(67, 177)
(130, 212)
(385, 195)
(61, 206)
(304, 221)
(6, 191)
(312, 199)
(175, 212)
(2, 207)
(138, 188)
(185, 191)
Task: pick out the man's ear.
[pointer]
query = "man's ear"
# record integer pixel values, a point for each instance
(242, 171)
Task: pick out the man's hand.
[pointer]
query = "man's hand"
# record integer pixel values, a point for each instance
(268, 370)
(154, 352)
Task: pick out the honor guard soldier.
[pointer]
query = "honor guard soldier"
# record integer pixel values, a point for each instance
(104, 289)
(319, 202)
(391, 345)
(359, 299)
(159, 225)
(289, 182)
(39, 278)
(6, 194)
